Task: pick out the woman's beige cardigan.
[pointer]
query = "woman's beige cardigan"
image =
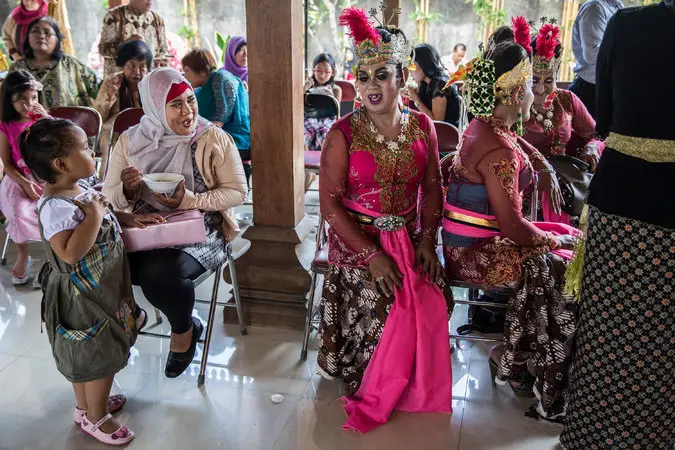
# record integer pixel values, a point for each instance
(219, 164)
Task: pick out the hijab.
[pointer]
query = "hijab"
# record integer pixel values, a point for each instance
(22, 17)
(153, 146)
(231, 65)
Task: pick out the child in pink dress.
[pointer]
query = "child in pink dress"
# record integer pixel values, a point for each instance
(19, 191)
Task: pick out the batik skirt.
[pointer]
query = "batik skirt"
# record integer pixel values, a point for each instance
(621, 393)
(352, 317)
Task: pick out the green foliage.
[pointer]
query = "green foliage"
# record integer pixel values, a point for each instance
(187, 33)
(222, 45)
(105, 4)
(420, 16)
(486, 14)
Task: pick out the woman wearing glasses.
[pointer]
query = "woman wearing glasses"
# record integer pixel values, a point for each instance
(66, 81)
(321, 81)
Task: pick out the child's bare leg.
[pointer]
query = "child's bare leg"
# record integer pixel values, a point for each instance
(97, 393)
(19, 269)
(80, 396)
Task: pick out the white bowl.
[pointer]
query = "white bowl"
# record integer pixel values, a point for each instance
(163, 183)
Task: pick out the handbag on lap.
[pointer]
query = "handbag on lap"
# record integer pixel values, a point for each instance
(574, 177)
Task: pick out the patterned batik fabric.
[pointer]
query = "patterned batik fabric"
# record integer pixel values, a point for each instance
(539, 328)
(621, 393)
(352, 316)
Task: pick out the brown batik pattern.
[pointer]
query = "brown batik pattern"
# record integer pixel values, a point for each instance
(539, 327)
(352, 316)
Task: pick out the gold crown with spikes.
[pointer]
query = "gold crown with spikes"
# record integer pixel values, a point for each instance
(368, 45)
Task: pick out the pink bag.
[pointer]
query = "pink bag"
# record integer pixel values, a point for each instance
(180, 228)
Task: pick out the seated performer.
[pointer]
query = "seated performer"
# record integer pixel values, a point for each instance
(488, 242)
(380, 192)
(559, 122)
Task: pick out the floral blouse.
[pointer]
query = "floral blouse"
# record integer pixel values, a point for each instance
(404, 181)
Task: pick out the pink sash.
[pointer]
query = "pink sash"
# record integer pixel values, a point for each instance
(557, 229)
(410, 369)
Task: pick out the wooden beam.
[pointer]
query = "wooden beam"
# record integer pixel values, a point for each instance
(272, 281)
(116, 3)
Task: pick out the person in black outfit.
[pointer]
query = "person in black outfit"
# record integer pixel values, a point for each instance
(429, 97)
(621, 385)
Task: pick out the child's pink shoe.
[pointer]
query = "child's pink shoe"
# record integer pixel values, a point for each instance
(115, 403)
(122, 436)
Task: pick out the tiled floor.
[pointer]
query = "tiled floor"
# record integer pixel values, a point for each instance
(233, 409)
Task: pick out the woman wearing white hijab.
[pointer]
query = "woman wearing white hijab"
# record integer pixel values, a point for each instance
(173, 138)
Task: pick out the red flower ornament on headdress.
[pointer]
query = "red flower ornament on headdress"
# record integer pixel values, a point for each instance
(521, 33)
(547, 40)
(360, 27)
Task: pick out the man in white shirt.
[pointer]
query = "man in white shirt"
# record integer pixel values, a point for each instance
(587, 32)
(453, 61)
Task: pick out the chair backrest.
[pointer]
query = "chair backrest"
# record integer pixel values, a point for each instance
(348, 96)
(321, 106)
(448, 137)
(84, 117)
(124, 120)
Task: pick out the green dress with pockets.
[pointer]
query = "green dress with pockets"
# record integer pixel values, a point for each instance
(88, 308)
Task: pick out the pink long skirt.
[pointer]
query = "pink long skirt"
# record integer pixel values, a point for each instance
(19, 210)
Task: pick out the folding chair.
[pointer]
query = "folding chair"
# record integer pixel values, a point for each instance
(319, 266)
(448, 137)
(348, 96)
(124, 120)
(474, 289)
(217, 272)
(320, 106)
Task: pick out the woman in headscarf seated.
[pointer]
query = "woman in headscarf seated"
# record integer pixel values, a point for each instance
(119, 90)
(221, 97)
(173, 138)
(236, 58)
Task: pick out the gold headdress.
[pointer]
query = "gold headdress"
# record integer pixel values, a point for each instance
(368, 45)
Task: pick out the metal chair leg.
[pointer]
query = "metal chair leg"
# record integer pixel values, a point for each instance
(209, 326)
(308, 318)
(235, 293)
(3, 261)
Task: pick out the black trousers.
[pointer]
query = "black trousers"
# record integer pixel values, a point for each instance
(165, 275)
(586, 92)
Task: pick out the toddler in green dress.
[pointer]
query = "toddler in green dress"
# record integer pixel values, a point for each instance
(88, 305)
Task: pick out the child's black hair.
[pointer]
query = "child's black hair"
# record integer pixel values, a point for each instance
(14, 83)
(44, 141)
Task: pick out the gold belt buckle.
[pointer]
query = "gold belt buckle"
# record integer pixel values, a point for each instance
(389, 223)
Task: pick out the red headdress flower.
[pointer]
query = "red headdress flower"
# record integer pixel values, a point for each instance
(360, 27)
(521, 33)
(547, 40)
